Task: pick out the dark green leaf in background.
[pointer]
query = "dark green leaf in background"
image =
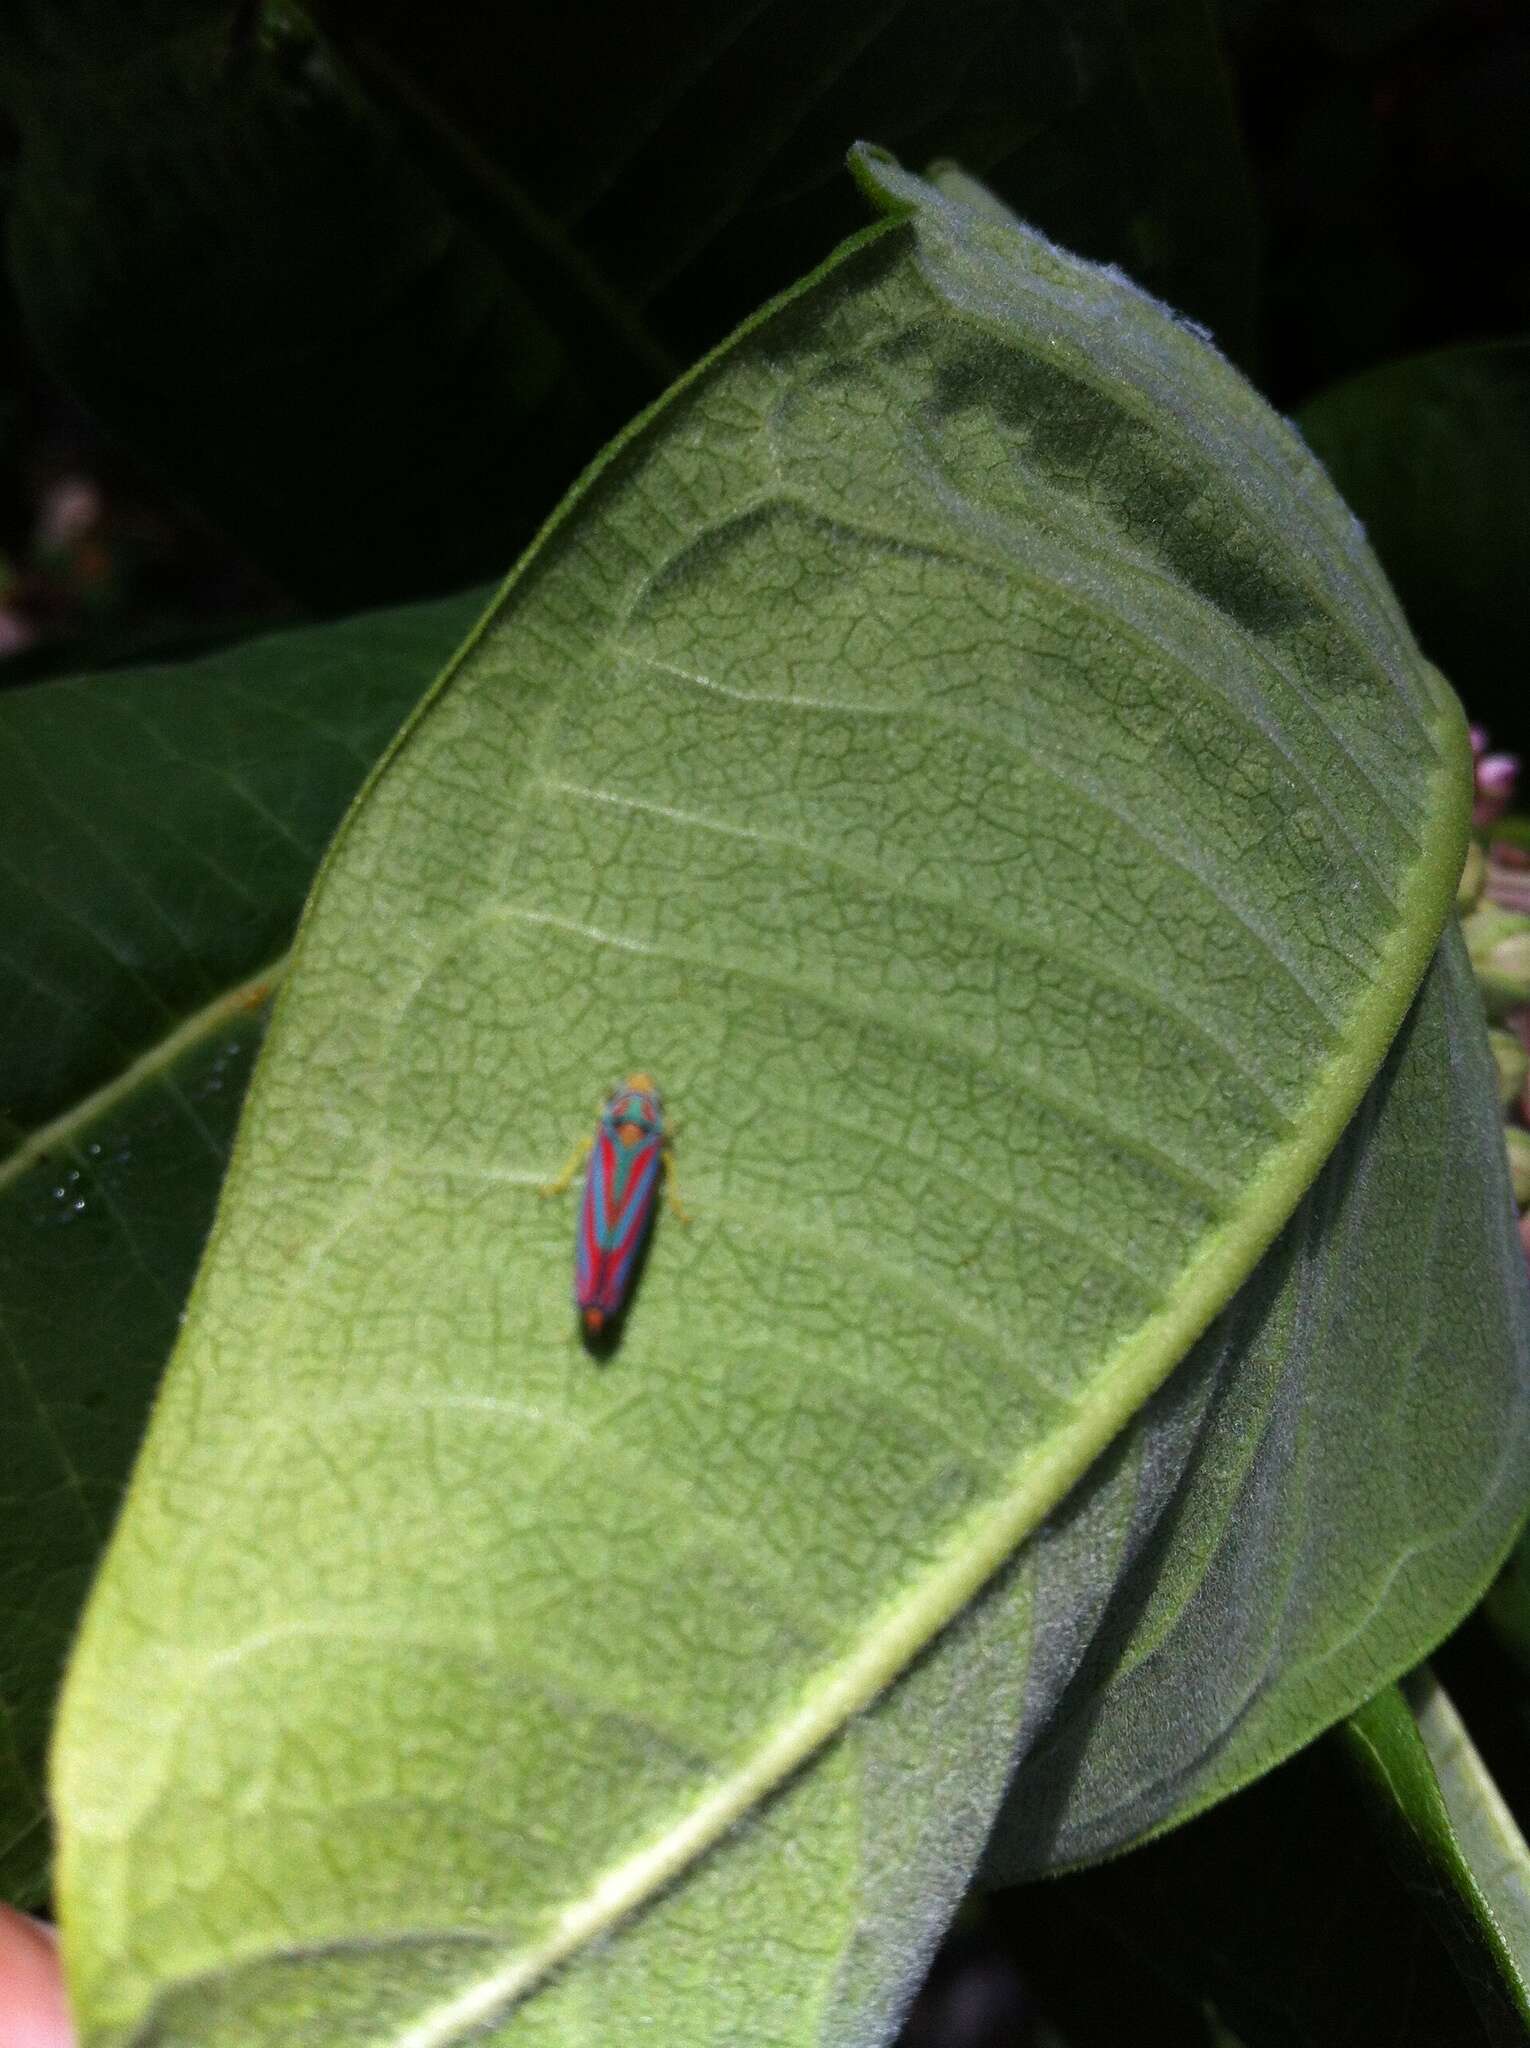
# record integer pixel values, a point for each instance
(1507, 1608)
(1452, 1839)
(1434, 455)
(160, 831)
(100, 1231)
(162, 827)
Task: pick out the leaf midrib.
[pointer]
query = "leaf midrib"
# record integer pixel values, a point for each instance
(149, 1066)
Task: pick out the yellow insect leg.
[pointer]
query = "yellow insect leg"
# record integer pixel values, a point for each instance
(564, 1180)
(671, 1198)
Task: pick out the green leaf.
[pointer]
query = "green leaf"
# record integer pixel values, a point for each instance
(1455, 1841)
(861, 1861)
(877, 1845)
(1507, 1607)
(959, 743)
(161, 828)
(1434, 454)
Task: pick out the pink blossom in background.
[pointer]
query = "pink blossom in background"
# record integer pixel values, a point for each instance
(16, 633)
(71, 508)
(1496, 775)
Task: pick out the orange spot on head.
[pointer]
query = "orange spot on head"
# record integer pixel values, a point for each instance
(641, 1084)
(629, 1133)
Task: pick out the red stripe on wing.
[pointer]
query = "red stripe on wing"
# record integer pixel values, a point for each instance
(634, 1181)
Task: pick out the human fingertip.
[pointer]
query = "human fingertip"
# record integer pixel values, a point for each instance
(33, 2010)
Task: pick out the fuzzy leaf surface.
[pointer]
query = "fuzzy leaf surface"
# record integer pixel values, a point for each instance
(1321, 1489)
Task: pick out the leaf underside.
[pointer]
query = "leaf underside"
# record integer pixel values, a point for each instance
(961, 746)
(814, 1921)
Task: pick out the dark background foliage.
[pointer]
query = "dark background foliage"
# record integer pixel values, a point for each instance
(544, 214)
